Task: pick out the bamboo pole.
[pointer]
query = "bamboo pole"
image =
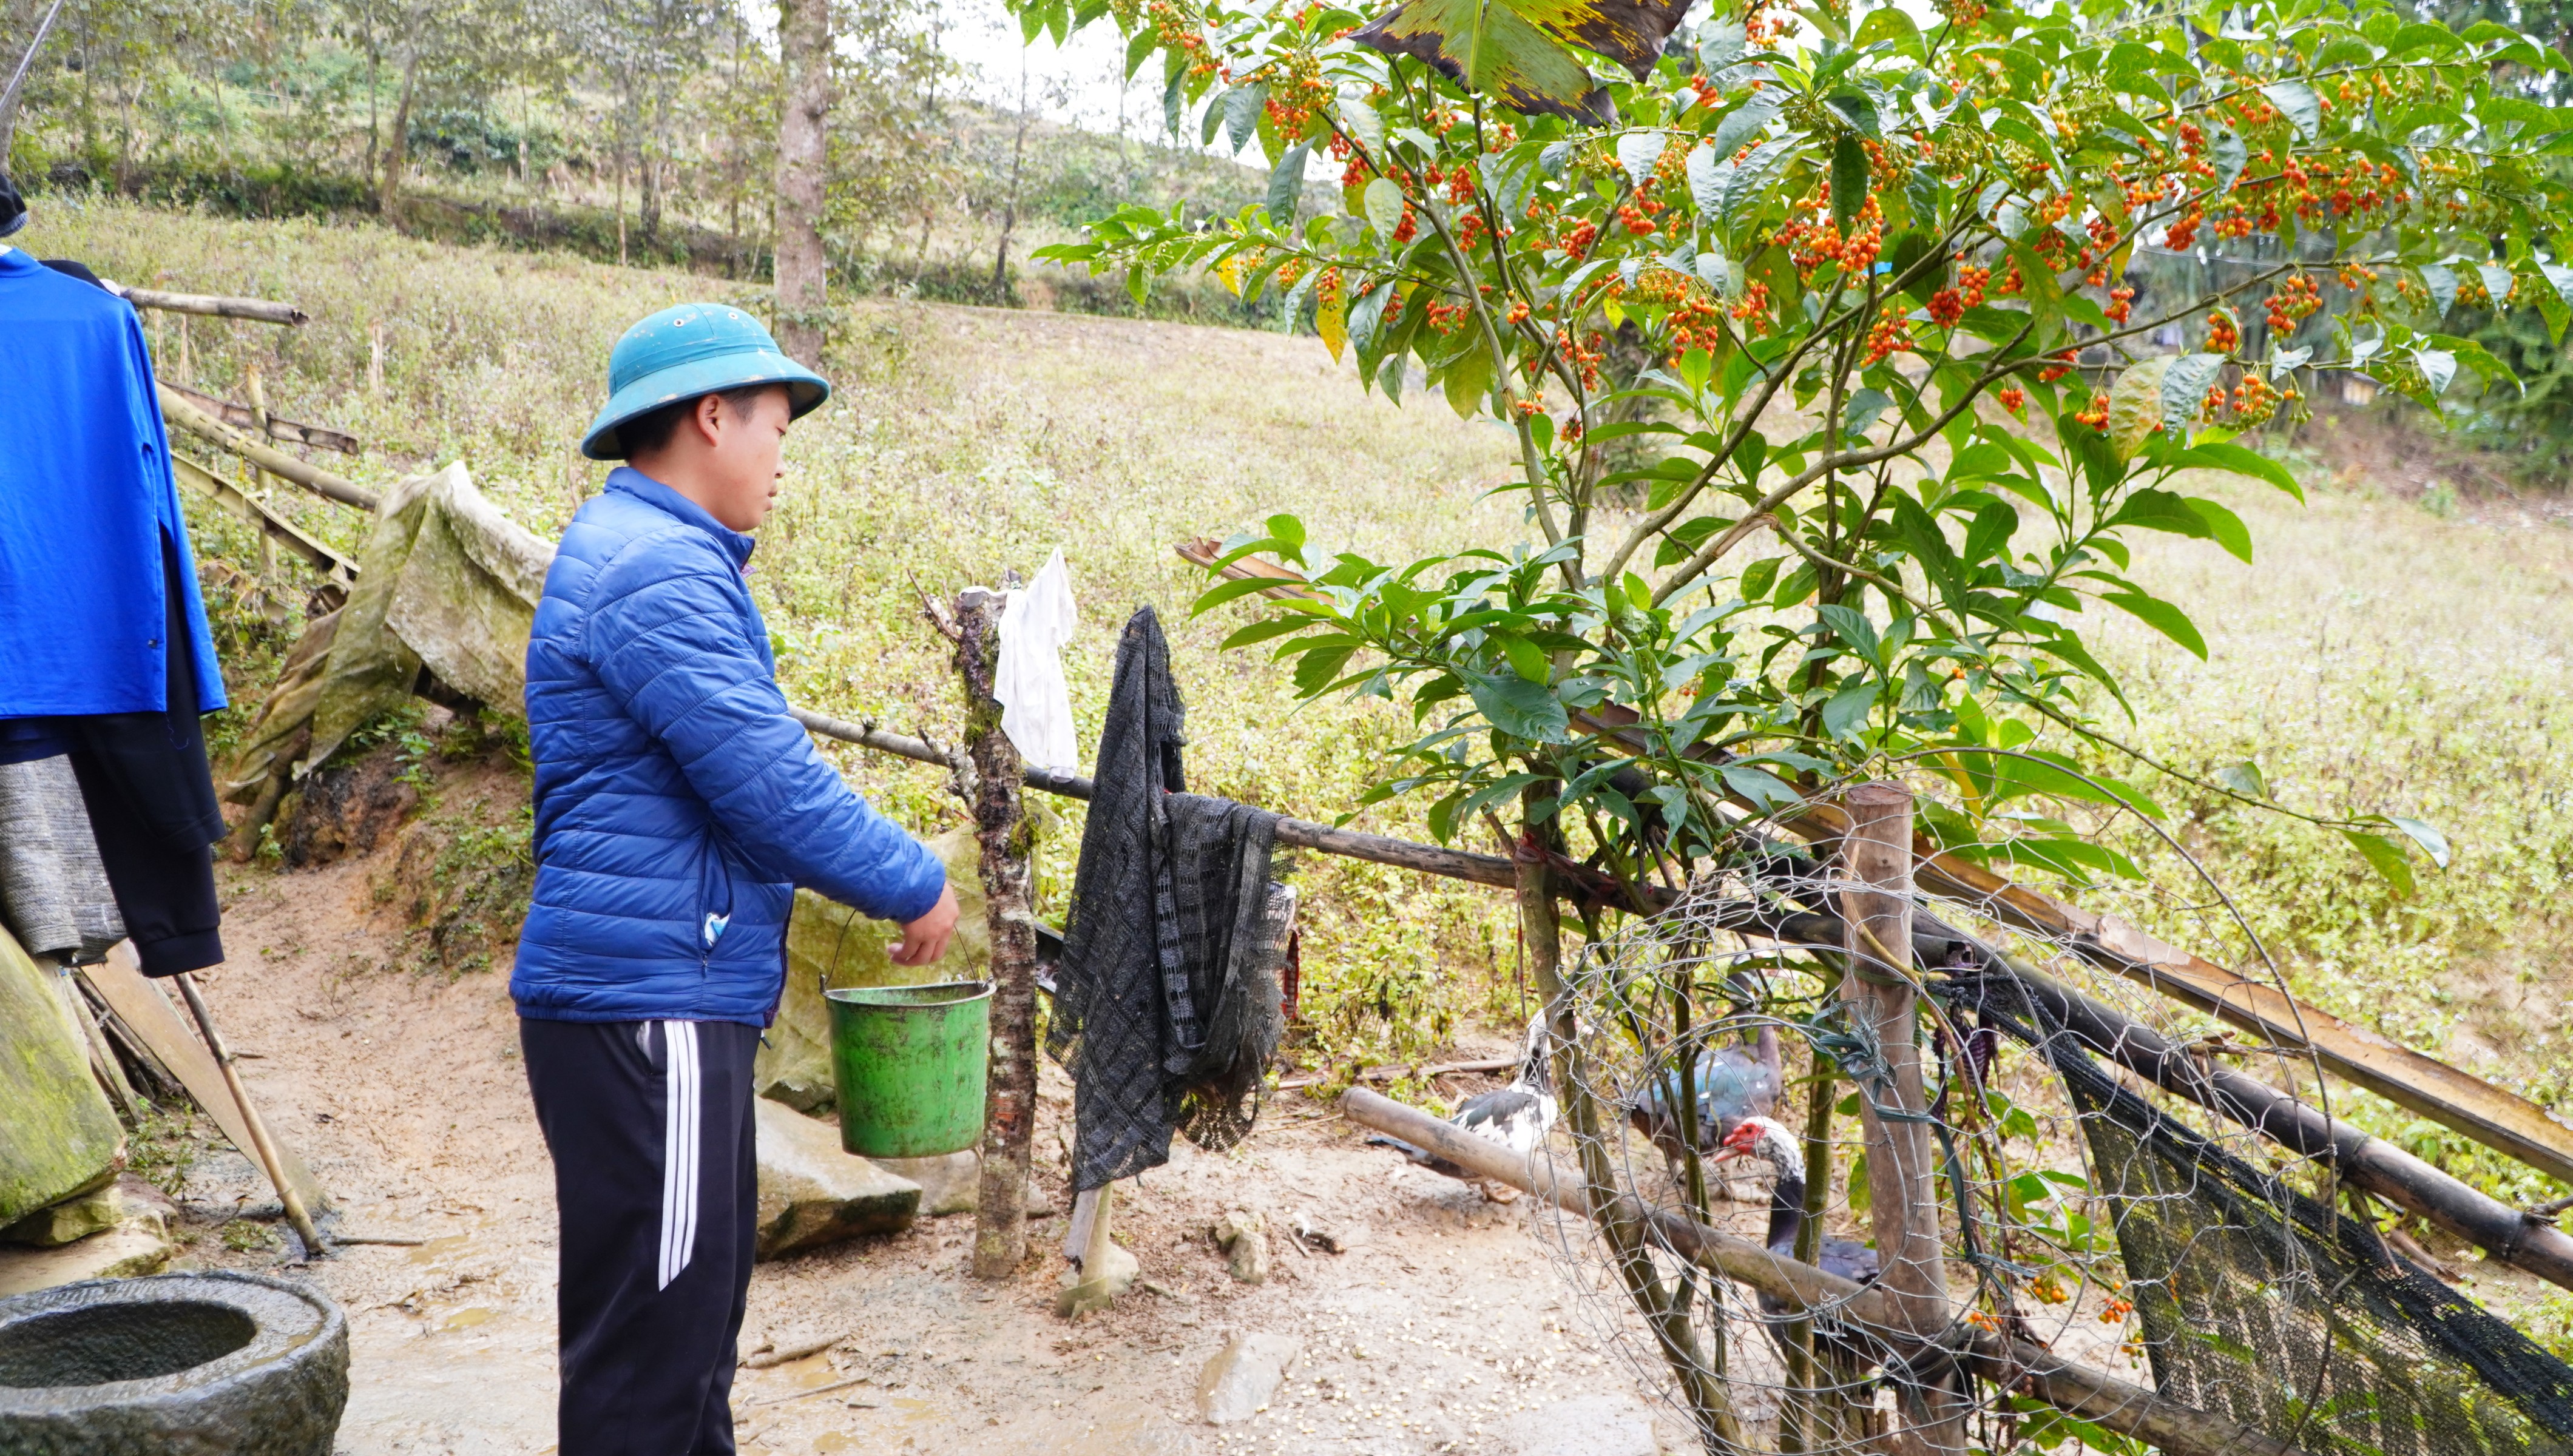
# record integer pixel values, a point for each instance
(263, 1148)
(1007, 840)
(2021, 1365)
(291, 432)
(260, 310)
(177, 410)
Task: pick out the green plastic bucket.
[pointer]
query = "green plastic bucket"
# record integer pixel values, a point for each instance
(910, 1063)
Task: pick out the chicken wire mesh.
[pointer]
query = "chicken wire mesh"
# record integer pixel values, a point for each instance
(2122, 1229)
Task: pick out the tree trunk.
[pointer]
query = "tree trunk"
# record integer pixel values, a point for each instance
(1701, 1379)
(1008, 841)
(803, 284)
(1901, 1173)
(1010, 210)
(389, 196)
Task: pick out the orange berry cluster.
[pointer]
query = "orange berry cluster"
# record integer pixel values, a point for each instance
(1577, 242)
(2254, 400)
(1759, 25)
(1811, 243)
(2013, 398)
(1518, 311)
(1950, 303)
(1584, 357)
(2122, 305)
(1890, 334)
(1469, 232)
(1753, 303)
(2048, 1290)
(2097, 417)
(1444, 318)
(2291, 301)
(2054, 371)
(2116, 1311)
(2223, 336)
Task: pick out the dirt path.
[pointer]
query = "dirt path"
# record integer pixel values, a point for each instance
(1445, 1328)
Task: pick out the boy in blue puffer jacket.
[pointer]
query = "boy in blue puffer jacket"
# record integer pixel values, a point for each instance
(677, 809)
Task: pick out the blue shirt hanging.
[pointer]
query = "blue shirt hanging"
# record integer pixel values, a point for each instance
(86, 497)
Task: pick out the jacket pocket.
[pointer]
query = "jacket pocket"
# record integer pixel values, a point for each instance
(715, 900)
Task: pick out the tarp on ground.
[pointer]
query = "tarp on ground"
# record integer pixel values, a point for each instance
(58, 1133)
(446, 583)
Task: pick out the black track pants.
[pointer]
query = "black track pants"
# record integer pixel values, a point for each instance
(655, 1175)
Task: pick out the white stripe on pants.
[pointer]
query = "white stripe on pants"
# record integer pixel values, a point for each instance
(678, 1148)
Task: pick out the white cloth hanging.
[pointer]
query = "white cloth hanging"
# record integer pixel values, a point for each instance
(1036, 707)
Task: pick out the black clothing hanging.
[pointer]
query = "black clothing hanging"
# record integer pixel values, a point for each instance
(1167, 1005)
(152, 808)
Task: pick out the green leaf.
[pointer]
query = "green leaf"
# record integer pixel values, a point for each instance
(2224, 526)
(1849, 180)
(1747, 120)
(2160, 510)
(1852, 626)
(1258, 632)
(1847, 711)
(1888, 23)
(2432, 842)
(1468, 380)
(2229, 156)
(2244, 779)
(1639, 152)
(2183, 389)
(2241, 460)
(2161, 616)
(1748, 185)
(1519, 707)
(1318, 670)
(2296, 101)
(1527, 659)
(2385, 857)
(1286, 530)
(1241, 108)
(1384, 209)
(1286, 185)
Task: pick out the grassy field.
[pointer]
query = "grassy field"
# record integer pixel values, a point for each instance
(2376, 657)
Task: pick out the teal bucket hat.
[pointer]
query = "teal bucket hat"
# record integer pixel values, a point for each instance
(688, 350)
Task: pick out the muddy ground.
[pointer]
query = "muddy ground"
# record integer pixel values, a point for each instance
(1445, 1328)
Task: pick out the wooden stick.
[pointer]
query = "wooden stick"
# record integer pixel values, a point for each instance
(2021, 1365)
(243, 417)
(272, 526)
(264, 1147)
(178, 411)
(1425, 1072)
(215, 306)
(1380, 849)
(1885, 1012)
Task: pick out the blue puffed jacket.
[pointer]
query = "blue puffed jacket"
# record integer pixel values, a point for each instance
(677, 804)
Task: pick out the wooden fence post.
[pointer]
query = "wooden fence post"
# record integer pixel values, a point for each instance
(1902, 1171)
(1007, 840)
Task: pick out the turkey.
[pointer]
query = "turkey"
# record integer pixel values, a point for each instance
(1733, 1084)
(1516, 1117)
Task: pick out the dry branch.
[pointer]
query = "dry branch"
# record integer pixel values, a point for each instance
(2029, 1368)
(179, 411)
(214, 305)
(275, 527)
(244, 416)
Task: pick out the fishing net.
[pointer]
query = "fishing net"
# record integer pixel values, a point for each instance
(2111, 1225)
(1167, 1006)
(2370, 1356)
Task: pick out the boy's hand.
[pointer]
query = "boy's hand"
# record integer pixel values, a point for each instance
(925, 940)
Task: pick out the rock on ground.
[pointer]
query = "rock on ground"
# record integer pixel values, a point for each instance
(136, 1242)
(813, 1192)
(1586, 1425)
(949, 1185)
(1237, 1384)
(1245, 1239)
(58, 1135)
